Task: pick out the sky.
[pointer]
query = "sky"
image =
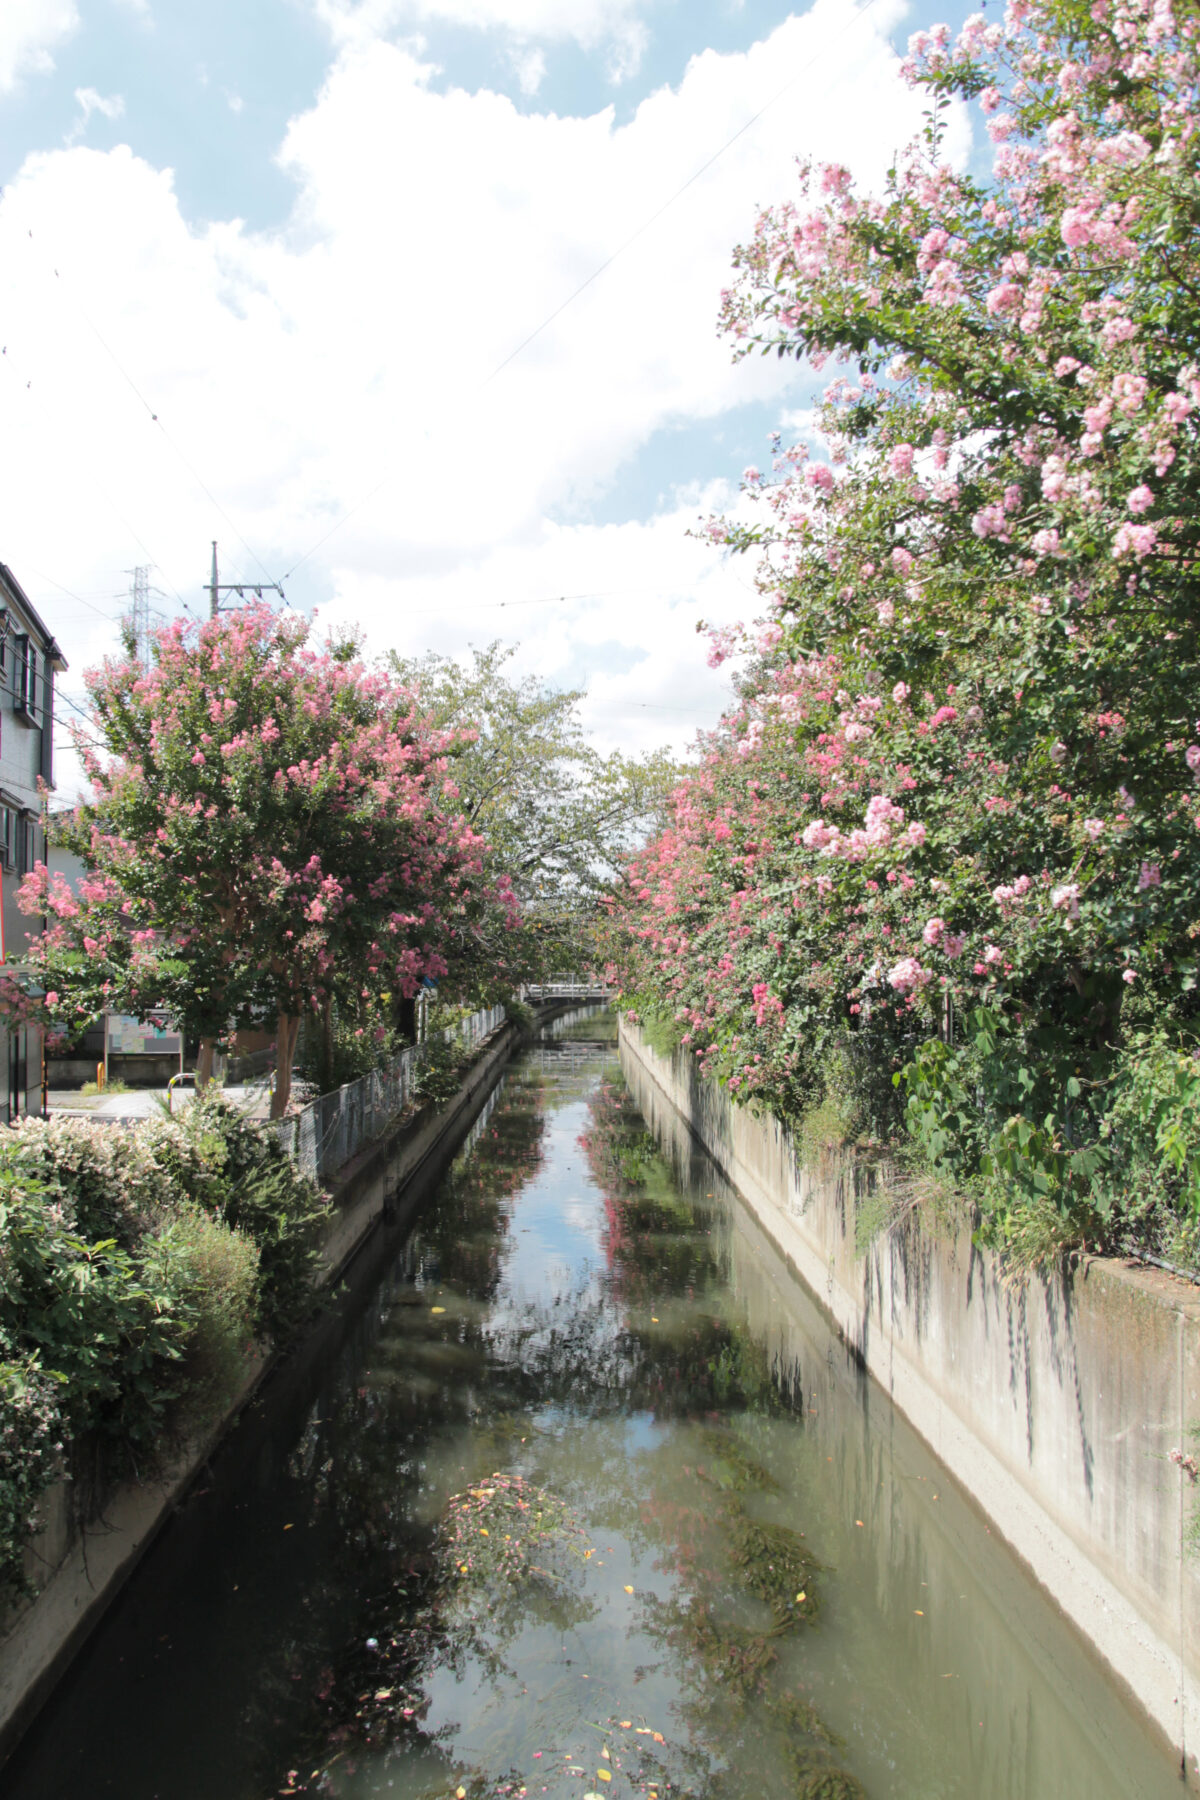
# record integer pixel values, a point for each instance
(411, 305)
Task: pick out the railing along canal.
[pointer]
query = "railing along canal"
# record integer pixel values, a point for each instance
(327, 1132)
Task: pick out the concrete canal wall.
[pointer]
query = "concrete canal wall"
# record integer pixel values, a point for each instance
(1055, 1401)
(80, 1571)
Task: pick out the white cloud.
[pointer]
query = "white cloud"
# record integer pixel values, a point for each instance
(344, 362)
(233, 101)
(109, 106)
(29, 31)
(593, 24)
(528, 63)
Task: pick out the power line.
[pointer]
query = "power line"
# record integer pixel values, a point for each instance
(154, 419)
(551, 600)
(858, 13)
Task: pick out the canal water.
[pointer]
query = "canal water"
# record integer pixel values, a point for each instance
(583, 1498)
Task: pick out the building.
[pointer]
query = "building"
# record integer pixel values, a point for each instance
(29, 661)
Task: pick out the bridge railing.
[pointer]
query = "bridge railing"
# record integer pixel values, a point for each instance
(566, 990)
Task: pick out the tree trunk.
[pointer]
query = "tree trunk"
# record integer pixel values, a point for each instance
(204, 1062)
(285, 1049)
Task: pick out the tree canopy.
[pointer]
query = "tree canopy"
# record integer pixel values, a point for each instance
(271, 826)
(960, 780)
(561, 819)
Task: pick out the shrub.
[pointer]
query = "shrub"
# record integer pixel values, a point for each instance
(31, 1441)
(210, 1271)
(240, 1174)
(439, 1076)
(105, 1179)
(85, 1309)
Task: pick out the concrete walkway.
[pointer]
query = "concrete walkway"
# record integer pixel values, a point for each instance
(146, 1103)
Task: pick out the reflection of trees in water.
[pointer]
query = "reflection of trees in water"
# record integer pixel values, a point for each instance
(386, 1596)
(455, 1603)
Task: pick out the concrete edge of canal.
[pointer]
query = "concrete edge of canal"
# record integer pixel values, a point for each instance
(1055, 1401)
(90, 1567)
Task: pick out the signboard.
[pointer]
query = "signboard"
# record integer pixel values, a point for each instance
(140, 1037)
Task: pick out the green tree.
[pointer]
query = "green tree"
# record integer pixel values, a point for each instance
(560, 819)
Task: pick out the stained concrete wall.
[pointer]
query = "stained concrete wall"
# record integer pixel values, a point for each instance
(1055, 1400)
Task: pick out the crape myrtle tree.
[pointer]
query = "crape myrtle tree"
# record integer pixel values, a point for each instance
(271, 825)
(559, 818)
(955, 807)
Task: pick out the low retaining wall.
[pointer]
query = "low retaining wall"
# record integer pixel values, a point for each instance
(1056, 1401)
(85, 1571)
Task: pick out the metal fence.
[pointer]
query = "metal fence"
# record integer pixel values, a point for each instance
(329, 1131)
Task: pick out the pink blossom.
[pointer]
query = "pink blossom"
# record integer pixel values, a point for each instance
(900, 692)
(907, 976)
(1149, 875)
(933, 932)
(1134, 540)
(900, 459)
(1140, 500)
(1065, 898)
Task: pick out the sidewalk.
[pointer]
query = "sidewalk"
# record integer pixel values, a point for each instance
(146, 1103)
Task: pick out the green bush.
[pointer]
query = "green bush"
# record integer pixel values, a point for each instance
(105, 1178)
(239, 1173)
(440, 1074)
(31, 1443)
(211, 1273)
(88, 1312)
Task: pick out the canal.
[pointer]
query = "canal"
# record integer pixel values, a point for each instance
(581, 1496)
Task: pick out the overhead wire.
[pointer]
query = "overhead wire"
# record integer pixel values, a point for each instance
(152, 414)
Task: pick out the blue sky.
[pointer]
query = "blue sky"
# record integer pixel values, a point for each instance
(304, 232)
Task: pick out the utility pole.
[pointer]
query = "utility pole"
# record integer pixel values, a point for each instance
(216, 587)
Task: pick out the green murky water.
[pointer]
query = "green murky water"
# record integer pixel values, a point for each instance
(583, 1498)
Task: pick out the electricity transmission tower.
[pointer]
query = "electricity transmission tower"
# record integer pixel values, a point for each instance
(217, 587)
(140, 614)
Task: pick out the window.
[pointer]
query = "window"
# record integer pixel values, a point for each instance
(24, 676)
(25, 847)
(8, 837)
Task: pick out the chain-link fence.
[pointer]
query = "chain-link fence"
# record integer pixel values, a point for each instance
(329, 1131)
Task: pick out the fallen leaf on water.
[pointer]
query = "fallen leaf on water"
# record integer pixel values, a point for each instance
(460, 1793)
(658, 1737)
(287, 1528)
(801, 1597)
(484, 1532)
(604, 1774)
(605, 1755)
(383, 1693)
(918, 1612)
(653, 1320)
(858, 1522)
(590, 1796)
(437, 1309)
(628, 1589)
(625, 1724)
